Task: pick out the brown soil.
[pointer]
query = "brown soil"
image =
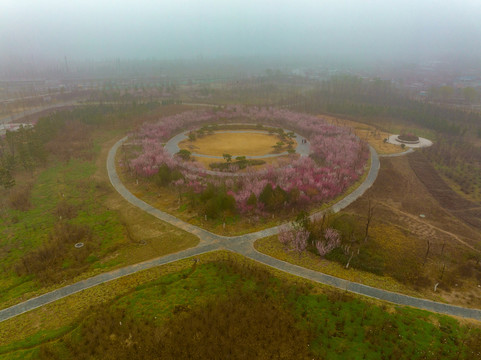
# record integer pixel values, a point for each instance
(401, 197)
(466, 210)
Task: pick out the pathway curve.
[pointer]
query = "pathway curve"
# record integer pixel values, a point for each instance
(244, 245)
(408, 151)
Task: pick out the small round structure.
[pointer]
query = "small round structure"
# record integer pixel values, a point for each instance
(420, 143)
(79, 245)
(408, 138)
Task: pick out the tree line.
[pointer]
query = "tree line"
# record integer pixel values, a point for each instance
(351, 95)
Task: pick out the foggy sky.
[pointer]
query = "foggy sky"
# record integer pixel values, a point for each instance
(372, 29)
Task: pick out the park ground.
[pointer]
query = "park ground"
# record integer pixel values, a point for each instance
(399, 233)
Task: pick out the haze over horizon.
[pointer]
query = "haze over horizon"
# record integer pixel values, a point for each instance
(361, 30)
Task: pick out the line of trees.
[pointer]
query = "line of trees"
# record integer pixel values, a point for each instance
(63, 134)
(351, 95)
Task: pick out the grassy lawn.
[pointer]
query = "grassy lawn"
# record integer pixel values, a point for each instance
(242, 144)
(325, 323)
(121, 233)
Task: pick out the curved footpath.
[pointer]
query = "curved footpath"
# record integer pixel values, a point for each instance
(244, 245)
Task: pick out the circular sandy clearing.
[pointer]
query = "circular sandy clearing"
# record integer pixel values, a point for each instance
(238, 143)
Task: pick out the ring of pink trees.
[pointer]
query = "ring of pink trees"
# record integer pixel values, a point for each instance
(336, 161)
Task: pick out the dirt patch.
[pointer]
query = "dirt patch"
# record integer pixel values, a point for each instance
(246, 144)
(400, 198)
(398, 191)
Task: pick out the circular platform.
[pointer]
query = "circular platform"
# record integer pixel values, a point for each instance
(422, 142)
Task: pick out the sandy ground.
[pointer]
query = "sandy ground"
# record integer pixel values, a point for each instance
(248, 144)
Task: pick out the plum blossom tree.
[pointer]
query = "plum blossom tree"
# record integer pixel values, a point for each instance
(300, 240)
(286, 236)
(332, 240)
(336, 161)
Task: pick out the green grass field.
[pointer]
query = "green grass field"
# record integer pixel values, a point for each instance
(324, 323)
(112, 222)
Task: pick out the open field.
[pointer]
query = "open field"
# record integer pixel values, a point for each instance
(143, 312)
(155, 303)
(397, 250)
(236, 144)
(466, 210)
(76, 195)
(400, 198)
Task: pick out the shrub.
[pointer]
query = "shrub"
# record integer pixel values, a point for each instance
(19, 198)
(184, 154)
(66, 211)
(216, 201)
(273, 199)
(252, 200)
(47, 261)
(166, 175)
(331, 241)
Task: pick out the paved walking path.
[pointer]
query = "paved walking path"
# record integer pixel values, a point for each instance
(243, 245)
(22, 114)
(408, 151)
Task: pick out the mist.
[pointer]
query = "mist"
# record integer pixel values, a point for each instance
(359, 30)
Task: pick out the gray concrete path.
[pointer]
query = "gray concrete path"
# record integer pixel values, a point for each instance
(242, 245)
(408, 151)
(100, 279)
(22, 114)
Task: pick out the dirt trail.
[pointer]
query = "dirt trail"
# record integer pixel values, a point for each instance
(433, 227)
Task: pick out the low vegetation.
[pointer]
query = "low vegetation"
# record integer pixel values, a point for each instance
(62, 201)
(459, 163)
(230, 307)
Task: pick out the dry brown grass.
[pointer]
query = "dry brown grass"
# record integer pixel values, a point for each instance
(19, 197)
(400, 198)
(368, 133)
(246, 144)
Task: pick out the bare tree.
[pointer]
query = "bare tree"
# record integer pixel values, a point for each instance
(427, 253)
(370, 212)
